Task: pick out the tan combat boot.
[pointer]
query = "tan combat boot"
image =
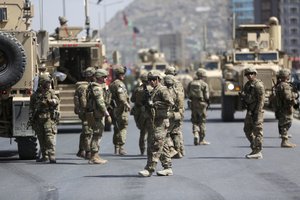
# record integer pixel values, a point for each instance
(122, 151)
(256, 155)
(204, 142)
(286, 144)
(145, 173)
(165, 172)
(95, 159)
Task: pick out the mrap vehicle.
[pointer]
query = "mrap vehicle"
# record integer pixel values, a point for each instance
(258, 46)
(18, 67)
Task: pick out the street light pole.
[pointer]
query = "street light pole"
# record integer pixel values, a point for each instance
(104, 12)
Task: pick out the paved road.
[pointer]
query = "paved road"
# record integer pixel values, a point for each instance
(217, 171)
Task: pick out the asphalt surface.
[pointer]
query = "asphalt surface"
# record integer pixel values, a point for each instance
(216, 171)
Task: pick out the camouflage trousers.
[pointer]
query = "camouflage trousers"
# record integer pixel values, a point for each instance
(158, 149)
(285, 118)
(199, 115)
(142, 119)
(175, 133)
(46, 131)
(120, 122)
(97, 133)
(253, 128)
(85, 136)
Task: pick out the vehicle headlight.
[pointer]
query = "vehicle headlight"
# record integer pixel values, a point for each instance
(230, 86)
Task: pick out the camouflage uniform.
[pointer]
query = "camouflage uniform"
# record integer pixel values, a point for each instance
(176, 123)
(80, 103)
(198, 93)
(285, 100)
(253, 96)
(96, 111)
(140, 97)
(121, 108)
(158, 149)
(44, 117)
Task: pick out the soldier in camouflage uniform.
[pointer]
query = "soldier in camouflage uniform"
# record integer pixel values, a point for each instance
(140, 97)
(176, 125)
(96, 111)
(198, 93)
(80, 103)
(44, 117)
(253, 96)
(121, 108)
(286, 98)
(158, 149)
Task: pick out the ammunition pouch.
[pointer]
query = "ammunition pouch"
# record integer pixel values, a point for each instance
(90, 118)
(161, 113)
(177, 116)
(55, 116)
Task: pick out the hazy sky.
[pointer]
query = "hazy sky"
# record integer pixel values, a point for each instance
(74, 10)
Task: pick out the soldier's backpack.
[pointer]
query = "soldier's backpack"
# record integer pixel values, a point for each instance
(80, 100)
(195, 90)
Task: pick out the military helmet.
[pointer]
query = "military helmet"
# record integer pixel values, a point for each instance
(168, 80)
(170, 70)
(44, 78)
(201, 72)
(153, 74)
(101, 73)
(42, 67)
(62, 20)
(250, 70)
(144, 77)
(120, 70)
(284, 73)
(89, 72)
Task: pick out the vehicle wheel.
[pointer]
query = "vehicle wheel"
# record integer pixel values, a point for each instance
(228, 108)
(12, 60)
(27, 148)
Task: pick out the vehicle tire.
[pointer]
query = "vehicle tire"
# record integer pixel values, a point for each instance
(12, 60)
(27, 148)
(228, 108)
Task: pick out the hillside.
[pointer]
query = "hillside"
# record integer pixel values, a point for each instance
(156, 17)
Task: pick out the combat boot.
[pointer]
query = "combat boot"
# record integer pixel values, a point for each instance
(52, 159)
(172, 152)
(122, 151)
(286, 144)
(117, 150)
(165, 172)
(145, 173)
(204, 142)
(81, 154)
(88, 155)
(43, 159)
(95, 159)
(178, 156)
(257, 155)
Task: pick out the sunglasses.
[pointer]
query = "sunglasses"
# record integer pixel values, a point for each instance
(252, 73)
(152, 79)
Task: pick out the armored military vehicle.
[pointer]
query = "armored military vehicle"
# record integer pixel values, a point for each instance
(212, 64)
(151, 59)
(258, 46)
(71, 54)
(18, 67)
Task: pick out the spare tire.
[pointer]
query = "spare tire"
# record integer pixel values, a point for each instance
(12, 60)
